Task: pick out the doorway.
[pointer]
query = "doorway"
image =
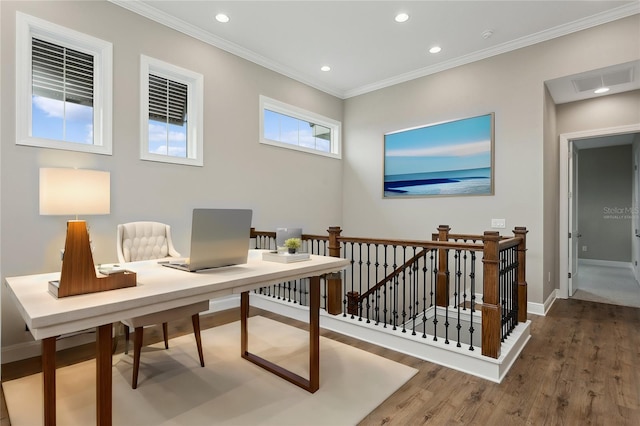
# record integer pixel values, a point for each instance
(576, 276)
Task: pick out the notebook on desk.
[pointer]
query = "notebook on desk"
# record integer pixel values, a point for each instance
(219, 237)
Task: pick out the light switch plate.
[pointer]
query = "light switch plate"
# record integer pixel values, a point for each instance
(498, 223)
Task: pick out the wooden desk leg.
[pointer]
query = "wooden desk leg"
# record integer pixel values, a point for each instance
(49, 380)
(244, 315)
(313, 383)
(314, 334)
(103, 377)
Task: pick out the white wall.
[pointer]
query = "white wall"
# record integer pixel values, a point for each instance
(284, 188)
(512, 86)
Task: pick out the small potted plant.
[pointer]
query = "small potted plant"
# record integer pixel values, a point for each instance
(293, 244)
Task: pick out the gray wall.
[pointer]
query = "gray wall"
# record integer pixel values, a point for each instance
(237, 172)
(240, 172)
(604, 203)
(526, 143)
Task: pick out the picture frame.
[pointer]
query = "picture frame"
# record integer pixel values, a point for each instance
(451, 158)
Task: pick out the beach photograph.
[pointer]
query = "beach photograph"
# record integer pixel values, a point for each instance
(451, 158)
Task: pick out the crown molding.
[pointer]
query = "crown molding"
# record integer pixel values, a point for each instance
(170, 21)
(579, 25)
(179, 25)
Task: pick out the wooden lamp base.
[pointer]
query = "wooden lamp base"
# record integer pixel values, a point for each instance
(78, 274)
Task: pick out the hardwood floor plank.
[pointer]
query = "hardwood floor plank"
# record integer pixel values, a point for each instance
(579, 368)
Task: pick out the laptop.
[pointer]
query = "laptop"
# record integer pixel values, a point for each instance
(219, 237)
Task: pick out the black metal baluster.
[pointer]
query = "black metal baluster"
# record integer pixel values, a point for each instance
(368, 282)
(434, 293)
(446, 307)
(472, 277)
(458, 274)
(377, 308)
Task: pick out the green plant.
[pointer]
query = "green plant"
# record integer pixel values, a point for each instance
(293, 243)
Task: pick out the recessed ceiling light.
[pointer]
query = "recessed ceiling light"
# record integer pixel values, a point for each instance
(601, 90)
(325, 68)
(435, 49)
(221, 17)
(402, 17)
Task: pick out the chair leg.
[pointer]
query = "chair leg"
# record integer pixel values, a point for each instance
(137, 347)
(165, 333)
(126, 339)
(195, 319)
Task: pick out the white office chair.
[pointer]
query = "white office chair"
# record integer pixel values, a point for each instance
(144, 241)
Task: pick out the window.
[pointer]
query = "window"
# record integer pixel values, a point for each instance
(172, 112)
(63, 87)
(290, 127)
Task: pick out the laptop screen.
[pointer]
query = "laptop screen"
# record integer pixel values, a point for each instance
(219, 237)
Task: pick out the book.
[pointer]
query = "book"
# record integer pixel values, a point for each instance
(274, 256)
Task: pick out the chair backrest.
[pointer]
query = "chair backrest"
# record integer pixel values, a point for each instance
(143, 241)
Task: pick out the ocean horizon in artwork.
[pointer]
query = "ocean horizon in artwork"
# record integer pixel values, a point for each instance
(452, 158)
(467, 181)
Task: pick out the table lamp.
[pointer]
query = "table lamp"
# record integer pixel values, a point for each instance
(78, 192)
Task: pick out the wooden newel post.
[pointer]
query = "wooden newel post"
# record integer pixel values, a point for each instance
(521, 232)
(491, 312)
(334, 281)
(442, 283)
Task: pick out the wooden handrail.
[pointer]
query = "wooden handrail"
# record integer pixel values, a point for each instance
(508, 243)
(490, 243)
(392, 275)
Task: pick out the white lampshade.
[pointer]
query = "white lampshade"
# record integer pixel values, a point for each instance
(74, 192)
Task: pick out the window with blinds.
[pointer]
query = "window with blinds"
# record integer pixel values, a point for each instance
(63, 87)
(61, 73)
(62, 92)
(167, 100)
(171, 111)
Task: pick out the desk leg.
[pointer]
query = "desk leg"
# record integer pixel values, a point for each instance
(103, 376)
(49, 380)
(244, 315)
(313, 383)
(314, 334)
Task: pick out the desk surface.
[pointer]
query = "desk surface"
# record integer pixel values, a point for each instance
(158, 288)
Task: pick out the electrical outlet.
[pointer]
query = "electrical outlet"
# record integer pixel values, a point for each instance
(584, 248)
(498, 223)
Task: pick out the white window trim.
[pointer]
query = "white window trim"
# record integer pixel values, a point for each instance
(27, 27)
(302, 114)
(195, 113)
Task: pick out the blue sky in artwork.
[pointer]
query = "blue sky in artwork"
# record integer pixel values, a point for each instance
(457, 145)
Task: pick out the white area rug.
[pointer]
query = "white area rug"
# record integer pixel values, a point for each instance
(174, 390)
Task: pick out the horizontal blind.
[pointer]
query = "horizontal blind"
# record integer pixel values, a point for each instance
(167, 100)
(61, 73)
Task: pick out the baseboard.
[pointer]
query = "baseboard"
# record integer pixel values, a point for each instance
(542, 308)
(609, 263)
(433, 351)
(32, 349)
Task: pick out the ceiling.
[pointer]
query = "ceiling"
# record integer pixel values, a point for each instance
(365, 48)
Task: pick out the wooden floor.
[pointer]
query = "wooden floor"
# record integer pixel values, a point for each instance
(581, 367)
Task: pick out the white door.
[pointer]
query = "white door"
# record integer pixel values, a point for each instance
(634, 215)
(574, 237)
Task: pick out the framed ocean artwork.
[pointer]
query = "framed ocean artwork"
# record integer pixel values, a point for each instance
(453, 158)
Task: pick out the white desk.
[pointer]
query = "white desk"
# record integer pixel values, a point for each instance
(158, 288)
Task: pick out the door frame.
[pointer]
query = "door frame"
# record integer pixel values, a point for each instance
(564, 196)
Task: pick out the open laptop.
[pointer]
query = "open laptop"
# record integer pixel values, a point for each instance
(219, 237)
